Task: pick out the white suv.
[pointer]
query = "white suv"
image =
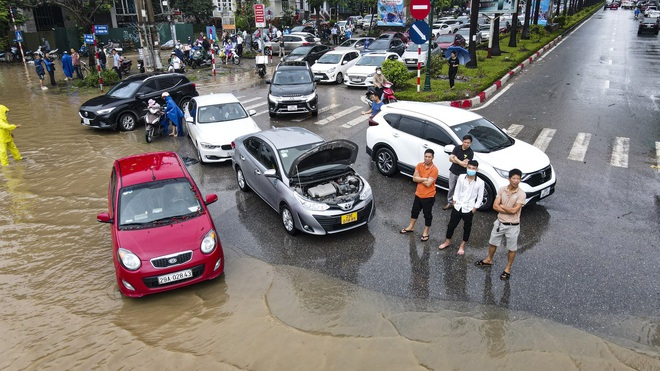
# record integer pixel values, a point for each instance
(398, 136)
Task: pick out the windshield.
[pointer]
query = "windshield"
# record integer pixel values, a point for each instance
(291, 77)
(301, 50)
(371, 60)
(348, 43)
(445, 38)
(330, 59)
(413, 47)
(159, 202)
(288, 155)
(486, 137)
(298, 29)
(221, 112)
(379, 45)
(125, 89)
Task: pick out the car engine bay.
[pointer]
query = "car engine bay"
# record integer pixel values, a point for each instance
(342, 189)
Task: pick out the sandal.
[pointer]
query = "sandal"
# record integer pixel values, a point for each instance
(505, 276)
(424, 238)
(481, 263)
(405, 231)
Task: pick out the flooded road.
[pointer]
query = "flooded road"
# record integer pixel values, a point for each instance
(62, 310)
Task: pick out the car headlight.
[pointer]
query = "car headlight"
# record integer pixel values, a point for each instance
(310, 205)
(105, 111)
(209, 145)
(274, 98)
(371, 74)
(505, 173)
(366, 192)
(309, 97)
(129, 260)
(332, 70)
(209, 242)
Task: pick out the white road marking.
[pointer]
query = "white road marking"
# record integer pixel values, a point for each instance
(579, 149)
(544, 138)
(491, 100)
(355, 121)
(620, 152)
(259, 113)
(609, 61)
(256, 105)
(251, 100)
(514, 129)
(657, 154)
(607, 84)
(337, 115)
(324, 109)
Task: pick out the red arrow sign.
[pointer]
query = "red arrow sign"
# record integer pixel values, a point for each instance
(419, 9)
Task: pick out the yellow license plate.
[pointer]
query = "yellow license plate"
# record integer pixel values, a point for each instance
(349, 218)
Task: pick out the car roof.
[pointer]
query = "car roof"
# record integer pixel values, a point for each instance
(341, 51)
(446, 114)
(289, 137)
(148, 167)
(209, 99)
(292, 65)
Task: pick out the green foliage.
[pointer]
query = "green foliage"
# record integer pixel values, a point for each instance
(561, 20)
(538, 30)
(201, 10)
(110, 77)
(396, 72)
(437, 62)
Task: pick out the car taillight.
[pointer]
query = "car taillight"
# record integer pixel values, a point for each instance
(233, 145)
(372, 122)
(306, 43)
(194, 85)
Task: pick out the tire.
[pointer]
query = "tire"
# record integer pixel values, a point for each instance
(183, 103)
(262, 73)
(240, 179)
(386, 161)
(287, 220)
(268, 51)
(237, 60)
(194, 64)
(127, 122)
(489, 196)
(84, 72)
(340, 78)
(149, 135)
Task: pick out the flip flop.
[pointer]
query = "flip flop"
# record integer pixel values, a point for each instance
(424, 238)
(481, 263)
(405, 231)
(505, 276)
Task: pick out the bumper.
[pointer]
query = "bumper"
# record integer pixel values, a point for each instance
(288, 107)
(98, 122)
(356, 80)
(532, 197)
(216, 154)
(330, 221)
(326, 77)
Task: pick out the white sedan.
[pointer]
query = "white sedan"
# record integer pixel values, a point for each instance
(411, 54)
(332, 66)
(213, 121)
(362, 74)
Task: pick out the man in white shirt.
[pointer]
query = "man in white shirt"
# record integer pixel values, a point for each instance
(467, 198)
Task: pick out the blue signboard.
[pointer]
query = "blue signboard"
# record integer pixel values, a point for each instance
(210, 33)
(419, 32)
(88, 38)
(101, 29)
(391, 13)
(19, 36)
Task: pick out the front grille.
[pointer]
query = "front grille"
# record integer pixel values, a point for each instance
(333, 223)
(87, 114)
(176, 259)
(323, 76)
(152, 282)
(226, 147)
(538, 177)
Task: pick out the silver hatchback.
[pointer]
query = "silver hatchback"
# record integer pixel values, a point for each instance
(307, 180)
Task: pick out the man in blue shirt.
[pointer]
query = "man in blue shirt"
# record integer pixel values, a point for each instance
(376, 104)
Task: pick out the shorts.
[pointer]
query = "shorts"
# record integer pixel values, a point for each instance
(41, 76)
(505, 233)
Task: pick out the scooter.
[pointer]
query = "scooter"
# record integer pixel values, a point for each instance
(386, 93)
(260, 62)
(152, 123)
(233, 56)
(126, 65)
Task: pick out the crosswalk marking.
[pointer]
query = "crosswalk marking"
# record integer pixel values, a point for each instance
(259, 113)
(324, 109)
(579, 149)
(544, 138)
(256, 105)
(657, 154)
(514, 129)
(337, 115)
(251, 100)
(354, 122)
(620, 152)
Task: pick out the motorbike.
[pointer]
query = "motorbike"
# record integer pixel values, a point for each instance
(84, 51)
(152, 123)
(386, 93)
(199, 58)
(126, 65)
(140, 65)
(43, 51)
(233, 57)
(260, 62)
(113, 45)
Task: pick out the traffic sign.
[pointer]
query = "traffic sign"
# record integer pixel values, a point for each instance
(419, 32)
(100, 29)
(19, 36)
(259, 15)
(88, 38)
(419, 9)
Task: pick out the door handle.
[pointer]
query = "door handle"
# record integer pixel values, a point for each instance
(242, 157)
(395, 135)
(256, 171)
(425, 145)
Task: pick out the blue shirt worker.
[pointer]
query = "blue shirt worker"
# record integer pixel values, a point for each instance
(376, 104)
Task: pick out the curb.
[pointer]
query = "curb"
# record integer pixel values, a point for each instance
(491, 90)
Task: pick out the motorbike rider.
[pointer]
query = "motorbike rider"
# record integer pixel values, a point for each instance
(175, 62)
(379, 80)
(637, 11)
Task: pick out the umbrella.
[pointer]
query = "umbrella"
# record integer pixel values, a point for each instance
(462, 54)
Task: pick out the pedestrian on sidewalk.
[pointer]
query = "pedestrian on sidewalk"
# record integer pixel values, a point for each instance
(459, 159)
(75, 60)
(50, 68)
(425, 175)
(39, 67)
(467, 198)
(508, 204)
(453, 69)
(7, 138)
(335, 34)
(67, 66)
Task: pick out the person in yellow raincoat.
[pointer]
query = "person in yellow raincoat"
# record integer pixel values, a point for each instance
(6, 139)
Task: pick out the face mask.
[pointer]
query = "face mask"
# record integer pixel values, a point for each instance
(378, 72)
(471, 172)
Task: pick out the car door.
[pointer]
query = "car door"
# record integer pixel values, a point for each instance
(436, 138)
(260, 157)
(190, 116)
(407, 140)
(148, 90)
(348, 61)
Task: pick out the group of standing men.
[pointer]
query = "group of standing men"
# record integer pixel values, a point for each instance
(465, 196)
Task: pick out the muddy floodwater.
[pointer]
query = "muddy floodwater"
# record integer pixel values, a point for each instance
(61, 308)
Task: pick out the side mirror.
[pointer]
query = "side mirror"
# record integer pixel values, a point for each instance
(252, 112)
(190, 120)
(343, 62)
(211, 198)
(270, 173)
(104, 217)
(449, 148)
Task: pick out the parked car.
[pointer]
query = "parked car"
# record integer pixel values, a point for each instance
(213, 121)
(411, 55)
(485, 31)
(389, 35)
(355, 43)
(342, 26)
(307, 53)
(292, 90)
(465, 32)
(649, 9)
(291, 42)
(444, 29)
(332, 66)
(649, 25)
(369, 19)
(162, 233)
(393, 45)
(398, 136)
(445, 41)
(304, 28)
(125, 104)
(307, 180)
(355, 20)
(362, 73)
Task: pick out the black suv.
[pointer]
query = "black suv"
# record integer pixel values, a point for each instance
(292, 90)
(649, 25)
(126, 103)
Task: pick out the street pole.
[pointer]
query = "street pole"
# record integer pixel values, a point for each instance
(154, 46)
(20, 44)
(427, 79)
(472, 46)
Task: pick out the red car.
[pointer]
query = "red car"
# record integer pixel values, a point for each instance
(163, 236)
(445, 41)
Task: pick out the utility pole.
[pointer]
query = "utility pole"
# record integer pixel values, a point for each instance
(145, 45)
(427, 78)
(154, 47)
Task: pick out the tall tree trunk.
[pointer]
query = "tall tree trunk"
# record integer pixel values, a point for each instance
(528, 11)
(537, 8)
(474, 18)
(495, 50)
(514, 30)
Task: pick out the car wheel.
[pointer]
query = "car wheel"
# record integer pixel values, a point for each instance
(315, 113)
(272, 114)
(386, 161)
(240, 179)
(489, 196)
(287, 220)
(340, 78)
(149, 135)
(183, 103)
(127, 122)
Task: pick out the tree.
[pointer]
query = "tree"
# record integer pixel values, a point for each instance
(201, 10)
(5, 24)
(82, 10)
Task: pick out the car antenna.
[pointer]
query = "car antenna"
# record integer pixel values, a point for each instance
(153, 175)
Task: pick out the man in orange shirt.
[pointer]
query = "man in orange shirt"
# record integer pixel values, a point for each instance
(425, 175)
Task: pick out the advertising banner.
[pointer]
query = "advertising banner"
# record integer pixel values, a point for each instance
(498, 6)
(391, 13)
(543, 12)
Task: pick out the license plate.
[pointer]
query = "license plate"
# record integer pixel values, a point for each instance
(349, 218)
(86, 122)
(545, 192)
(319, 76)
(356, 79)
(177, 276)
(411, 61)
(292, 108)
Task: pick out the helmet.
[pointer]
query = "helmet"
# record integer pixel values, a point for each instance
(165, 94)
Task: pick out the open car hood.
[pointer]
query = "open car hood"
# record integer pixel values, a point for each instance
(340, 152)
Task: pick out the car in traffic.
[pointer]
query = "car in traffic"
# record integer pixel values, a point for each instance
(400, 133)
(465, 32)
(362, 73)
(393, 45)
(291, 42)
(389, 35)
(333, 65)
(163, 236)
(357, 43)
(307, 53)
(213, 121)
(292, 90)
(341, 25)
(445, 41)
(304, 28)
(125, 104)
(412, 54)
(308, 181)
(369, 20)
(444, 29)
(650, 25)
